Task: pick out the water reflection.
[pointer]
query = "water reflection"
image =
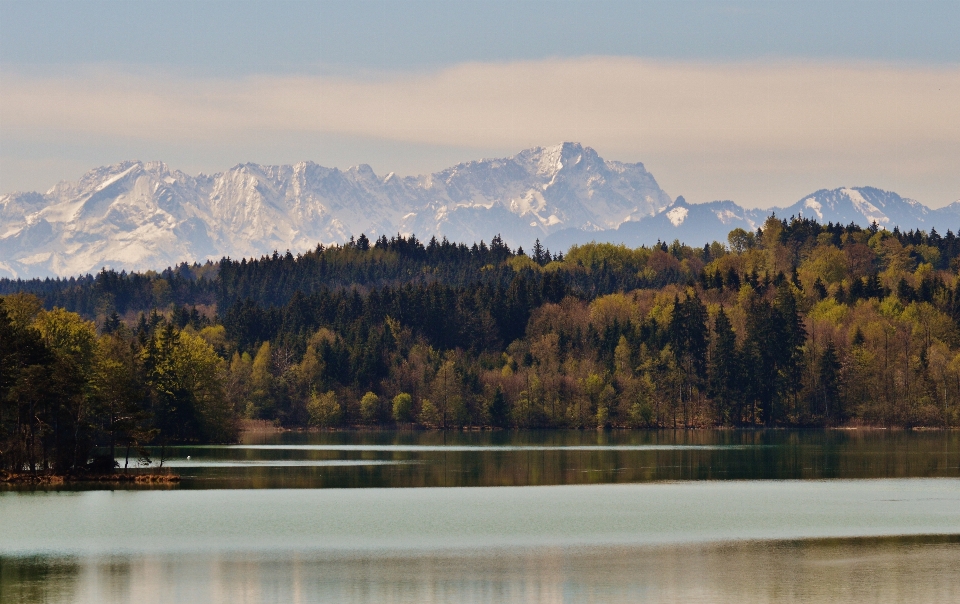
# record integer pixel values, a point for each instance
(521, 458)
(433, 519)
(922, 569)
(281, 463)
(714, 516)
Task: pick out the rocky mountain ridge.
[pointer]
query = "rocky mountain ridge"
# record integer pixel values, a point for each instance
(140, 216)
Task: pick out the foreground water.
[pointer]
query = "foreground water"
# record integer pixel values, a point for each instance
(849, 571)
(711, 516)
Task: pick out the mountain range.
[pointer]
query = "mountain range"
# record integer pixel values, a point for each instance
(140, 216)
(706, 222)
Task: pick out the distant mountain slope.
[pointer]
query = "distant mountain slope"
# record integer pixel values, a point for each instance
(690, 223)
(947, 215)
(138, 216)
(862, 205)
(696, 224)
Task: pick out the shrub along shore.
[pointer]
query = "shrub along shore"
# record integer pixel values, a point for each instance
(49, 477)
(796, 324)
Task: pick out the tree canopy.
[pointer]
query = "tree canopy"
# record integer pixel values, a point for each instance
(796, 324)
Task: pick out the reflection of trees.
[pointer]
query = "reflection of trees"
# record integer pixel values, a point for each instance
(746, 455)
(39, 580)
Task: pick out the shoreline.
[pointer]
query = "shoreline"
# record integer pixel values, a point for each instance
(52, 478)
(265, 427)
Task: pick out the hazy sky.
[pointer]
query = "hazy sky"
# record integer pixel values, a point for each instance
(759, 102)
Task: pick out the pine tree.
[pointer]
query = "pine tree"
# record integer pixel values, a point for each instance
(829, 380)
(499, 411)
(791, 342)
(689, 336)
(724, 371)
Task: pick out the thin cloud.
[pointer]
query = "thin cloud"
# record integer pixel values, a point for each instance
(729, 116)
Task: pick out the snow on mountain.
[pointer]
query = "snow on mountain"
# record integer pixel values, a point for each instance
(534, 193)
(862, 205)
(131, 213)
(138, 216)
(697, 224)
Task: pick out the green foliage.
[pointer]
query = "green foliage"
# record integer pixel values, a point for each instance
(71, 400)
(402, 408)
(262, 392)
(370, 408)
(741, 240)
(725, 372)
(22, 309)
(499, 411)
(429, 416)
(796, 324)
(68, 335)
(607, 256)
(324, 410)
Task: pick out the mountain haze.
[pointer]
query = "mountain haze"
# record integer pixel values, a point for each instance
(139, 216)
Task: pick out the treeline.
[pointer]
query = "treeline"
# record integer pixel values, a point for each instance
(796, 324)
(273, 280)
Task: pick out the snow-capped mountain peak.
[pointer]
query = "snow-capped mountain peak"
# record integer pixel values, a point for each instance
(861, 205)
(136, 215)
(697, 224)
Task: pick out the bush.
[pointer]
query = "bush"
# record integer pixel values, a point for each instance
(402, 407)
(370, 407)
(429, 416)
(324, 409)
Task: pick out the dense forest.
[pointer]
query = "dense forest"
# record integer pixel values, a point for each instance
(796, 324)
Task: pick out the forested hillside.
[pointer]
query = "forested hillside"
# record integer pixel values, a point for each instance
(796, 324)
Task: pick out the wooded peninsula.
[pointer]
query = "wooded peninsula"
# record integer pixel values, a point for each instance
(796, 324)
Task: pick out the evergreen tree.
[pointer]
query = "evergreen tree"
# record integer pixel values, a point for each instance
(793, 336)
(499, 411)
(829, 379)
(724, 371)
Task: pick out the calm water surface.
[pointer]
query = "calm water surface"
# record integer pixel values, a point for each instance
(868, 516)
(868, 571)
(437, 459)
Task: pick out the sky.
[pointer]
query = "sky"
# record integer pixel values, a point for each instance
(758, 102)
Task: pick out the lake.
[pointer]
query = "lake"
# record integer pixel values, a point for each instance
(712, 516)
